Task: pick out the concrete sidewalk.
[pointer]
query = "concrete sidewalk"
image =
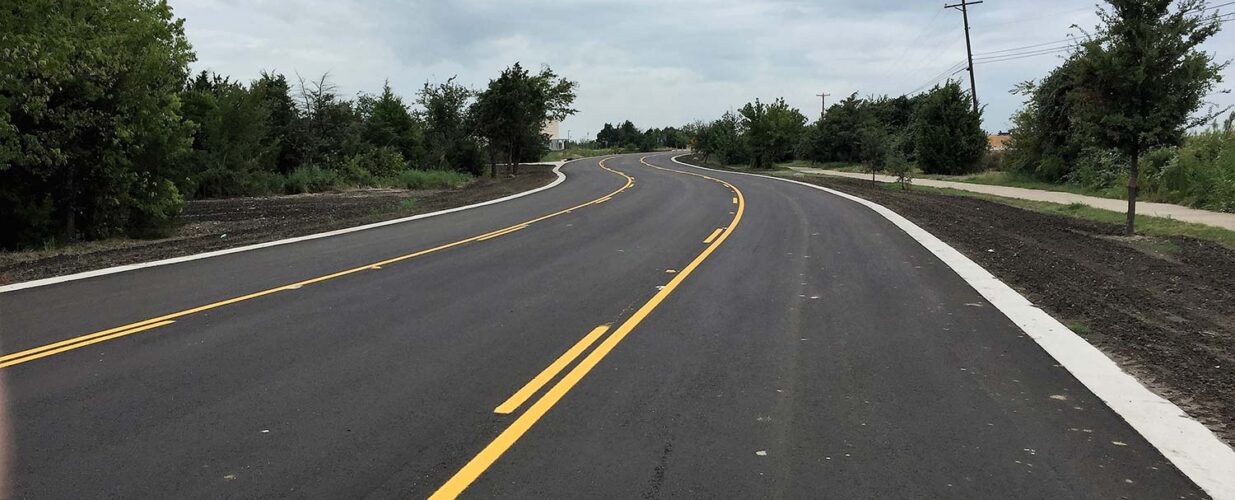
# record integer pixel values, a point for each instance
(1166, 210)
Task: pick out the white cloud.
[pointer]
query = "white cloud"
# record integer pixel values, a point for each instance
(654, 62)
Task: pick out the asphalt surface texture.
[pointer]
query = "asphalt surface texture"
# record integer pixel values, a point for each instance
(764, 340)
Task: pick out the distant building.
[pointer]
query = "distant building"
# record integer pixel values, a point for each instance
(553, 129)
(999, 141)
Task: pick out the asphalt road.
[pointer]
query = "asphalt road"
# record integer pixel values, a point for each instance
(763, 340)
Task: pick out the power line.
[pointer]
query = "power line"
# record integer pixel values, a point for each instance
(952, 70)
(1027, 53)
(979, 54)
(1060, 50)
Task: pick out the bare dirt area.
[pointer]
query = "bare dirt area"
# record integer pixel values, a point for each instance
(1164, 308)
(207, 225)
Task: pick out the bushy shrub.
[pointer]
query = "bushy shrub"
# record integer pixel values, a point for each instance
(311, 179)
(431, 179)
(1099, 169)
(1201, 173)
(154, 205)
(948, 134)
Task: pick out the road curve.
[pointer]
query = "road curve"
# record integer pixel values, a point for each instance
(674, 335)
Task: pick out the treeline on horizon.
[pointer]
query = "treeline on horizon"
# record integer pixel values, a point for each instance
(938, 131)
(1115, 114)
(106, 134)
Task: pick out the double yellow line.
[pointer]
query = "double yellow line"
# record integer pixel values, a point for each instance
(166, 319)
(524, 422)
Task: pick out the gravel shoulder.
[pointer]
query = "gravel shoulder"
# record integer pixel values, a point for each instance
(1162, 307)
(208, 225)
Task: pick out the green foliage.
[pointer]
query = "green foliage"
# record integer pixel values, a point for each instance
(1140, 81)
(948, 136)
(1201, 173)
(626, 136)
(771, 131)
(229, 137)
(722, 140)
(510, 113)
(450, 139)
(431, 179)
(1045, 143)
(388, 126)
(311, 179)
(91, 123)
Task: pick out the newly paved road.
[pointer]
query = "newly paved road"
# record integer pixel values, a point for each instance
(807, 350)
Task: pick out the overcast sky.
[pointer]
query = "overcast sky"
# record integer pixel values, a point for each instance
(655, 62)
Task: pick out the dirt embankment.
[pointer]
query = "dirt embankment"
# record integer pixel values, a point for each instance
(1164, 308)
(217, 224)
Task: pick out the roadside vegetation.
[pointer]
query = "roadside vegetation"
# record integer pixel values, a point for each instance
(877, 134)
(105, 132)
(1146, 225)
(1112, 120)
(624, 137)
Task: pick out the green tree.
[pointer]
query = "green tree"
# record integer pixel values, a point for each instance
(284, 139)
(510, 113)
(948, 136)
(91, 123)
(230, 142)
(329, 126)
(448, 133)
(1045, 142)
(387, 123)
(758, 133)
(836, 136)
(1141, 79)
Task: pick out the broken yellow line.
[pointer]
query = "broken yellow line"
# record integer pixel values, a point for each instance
(494, 450)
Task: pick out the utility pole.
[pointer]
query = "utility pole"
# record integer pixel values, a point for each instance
(823, 103)
(963, 7)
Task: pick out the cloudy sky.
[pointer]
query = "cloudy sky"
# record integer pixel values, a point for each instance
(655, 62)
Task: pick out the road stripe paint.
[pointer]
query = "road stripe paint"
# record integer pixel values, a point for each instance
(546, 375)
(735, 201)
(93, 340)
(494, 450)
(73, 343)
(714, 235)
(502, 232)
(1187, 443)
(557, 170)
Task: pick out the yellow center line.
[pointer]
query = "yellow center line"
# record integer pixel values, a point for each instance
(84, 340)
(494, 450)
(550, 371)
(499, 233)
(84, 343)
(714, 235)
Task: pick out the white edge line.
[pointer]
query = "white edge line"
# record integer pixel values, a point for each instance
(1187, 443)
(175, 260)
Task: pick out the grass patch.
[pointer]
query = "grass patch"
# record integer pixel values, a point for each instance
(1145, 225)
(831, 165)
(574, 153)
(1078, 327)
(428, 179)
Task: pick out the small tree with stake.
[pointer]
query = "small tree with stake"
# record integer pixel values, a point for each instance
(1142, 77)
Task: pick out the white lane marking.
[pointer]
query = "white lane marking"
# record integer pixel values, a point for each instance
(175, 260)
(1188, 444)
